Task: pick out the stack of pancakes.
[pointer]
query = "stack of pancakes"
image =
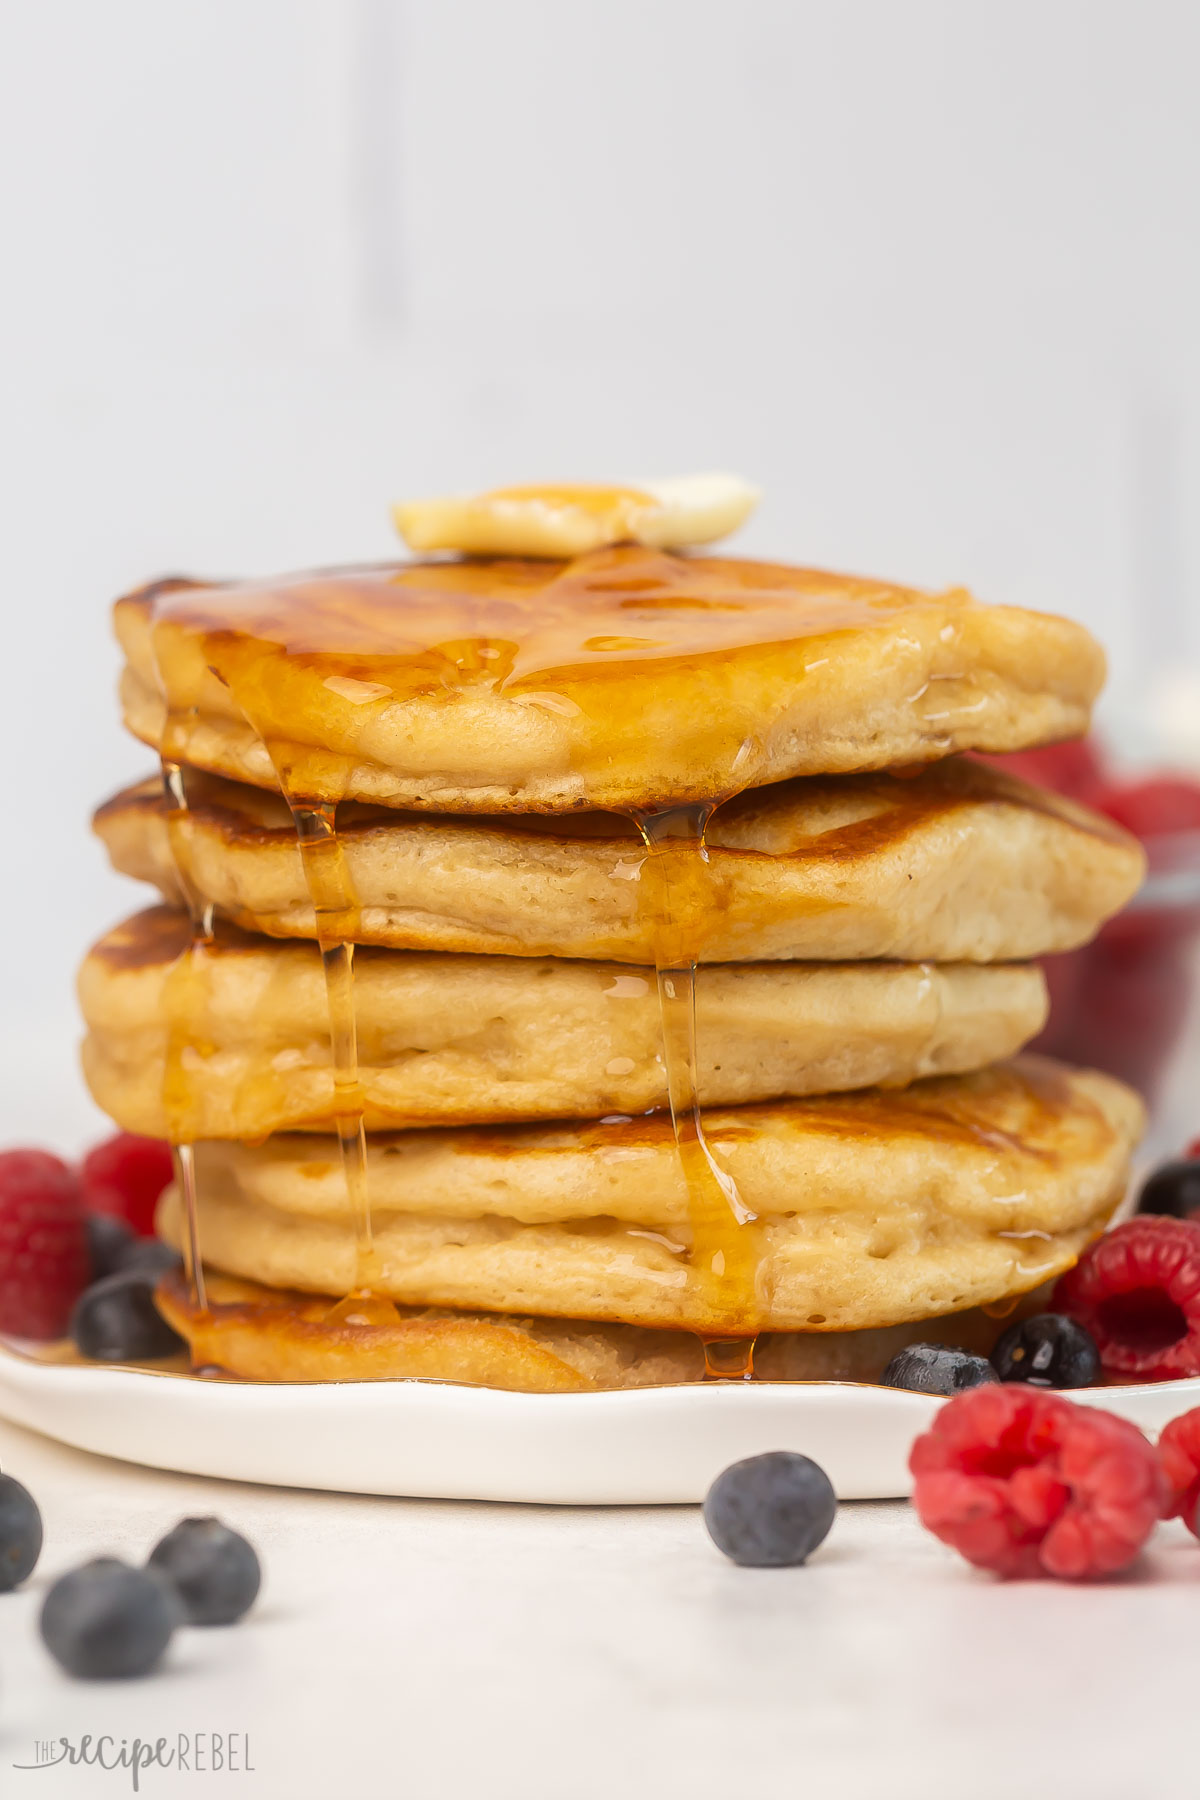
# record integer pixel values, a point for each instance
(862, 922)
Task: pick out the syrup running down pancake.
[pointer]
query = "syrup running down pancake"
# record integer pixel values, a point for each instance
(872, 1209)
(656, 686)
(956, 863)
(629, 679)
(472, 1039)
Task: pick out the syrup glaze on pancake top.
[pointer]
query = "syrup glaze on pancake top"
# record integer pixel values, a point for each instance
(648, 683)
(628, 679)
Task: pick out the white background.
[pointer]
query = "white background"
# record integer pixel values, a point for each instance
(928, 270)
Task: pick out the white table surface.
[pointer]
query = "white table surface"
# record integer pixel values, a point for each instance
(443, 1650)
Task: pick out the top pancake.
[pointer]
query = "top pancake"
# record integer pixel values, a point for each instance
(628, 679)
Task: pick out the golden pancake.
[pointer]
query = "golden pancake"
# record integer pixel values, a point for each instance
(630, 679)
(472, 1039)
(871, 1209)
(958, 863)
(266, 1334)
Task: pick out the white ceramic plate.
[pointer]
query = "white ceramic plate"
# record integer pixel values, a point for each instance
(437, 1441)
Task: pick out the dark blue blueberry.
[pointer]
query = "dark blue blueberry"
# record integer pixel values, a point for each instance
(770, 1511)
(152, 1255)
(936, 1369)
(20, 1533)
(116, 1320)
(108, 1241)
(1173, 1189)
(1047, 1350)
(214, 1570)
(106, 1620)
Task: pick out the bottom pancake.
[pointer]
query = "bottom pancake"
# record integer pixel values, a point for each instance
(268, 1334)
(869, 1209)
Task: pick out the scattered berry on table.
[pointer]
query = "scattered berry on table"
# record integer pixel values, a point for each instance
(1179, 1454)
(770, 1511)
(1047, 1350)
(125, 1176)
(107, 1620)
(1173, 1189)
(108, 1240)
(1137, 1291)
(116, 1320)
(936, 1369)
(1026, 1483)
(44, 1262)
(20, 1533)
(214, 1570)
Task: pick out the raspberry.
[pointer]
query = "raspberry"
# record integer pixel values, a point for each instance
(124, 1176)
(1019, 1480)
(44, 1263)
(1155, 807)
(1179, 1454)
(1137, 1290)
(1074, 768)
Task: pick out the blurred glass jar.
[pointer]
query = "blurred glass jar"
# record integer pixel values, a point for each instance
(1129, 1002)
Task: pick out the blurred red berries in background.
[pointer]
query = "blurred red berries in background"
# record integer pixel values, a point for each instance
(44, 1262)
(1120, 1002)
(124, 1176)
(1153, 808)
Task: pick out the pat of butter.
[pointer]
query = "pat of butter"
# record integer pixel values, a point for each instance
(570, 521)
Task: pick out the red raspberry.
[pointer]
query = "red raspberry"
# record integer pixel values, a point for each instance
(1162, 804)
(1192, 1153)
(1019, 1480)
(1076, 768)
(124, 1176)
(1137, 1290)
(1179, 1454)
(44, 1264)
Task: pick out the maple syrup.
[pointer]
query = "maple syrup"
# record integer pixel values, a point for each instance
(183, 985)
(307, 663)
(558, 671)
(675, 899)
(336, 911)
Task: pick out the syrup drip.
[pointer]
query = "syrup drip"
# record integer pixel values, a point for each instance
(183, 983)
(336, 913)
(675, 899)
(309, 663)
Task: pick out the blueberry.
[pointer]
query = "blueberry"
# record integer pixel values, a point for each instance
(116, 1320)
(107, 1620)
(1173, 1189)
(215, 1571)
(152, 1255)
(936, 1369)
(770, 1511)
(20, 1533)
(108, 1241)
(1047, 1350)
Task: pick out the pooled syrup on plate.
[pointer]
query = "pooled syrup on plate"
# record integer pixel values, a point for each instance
(312, 662)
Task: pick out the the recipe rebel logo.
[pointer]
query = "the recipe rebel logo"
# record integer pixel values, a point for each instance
(190, 1752)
